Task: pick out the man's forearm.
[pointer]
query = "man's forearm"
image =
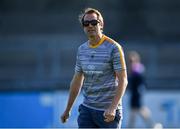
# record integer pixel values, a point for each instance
(122, 84)
(119, 94)
(74, 90)
(72, 96)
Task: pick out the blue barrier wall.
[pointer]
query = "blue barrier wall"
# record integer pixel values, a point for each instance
(43, 110)
(25, 110)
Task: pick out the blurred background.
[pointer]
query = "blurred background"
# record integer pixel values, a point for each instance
(38, 44)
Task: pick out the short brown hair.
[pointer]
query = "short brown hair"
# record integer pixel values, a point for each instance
(89, 11)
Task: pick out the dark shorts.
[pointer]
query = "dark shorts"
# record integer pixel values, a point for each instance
(136, 102)
(90, 118)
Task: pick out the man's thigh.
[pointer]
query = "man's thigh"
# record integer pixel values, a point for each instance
(98, 118)
(85, 118)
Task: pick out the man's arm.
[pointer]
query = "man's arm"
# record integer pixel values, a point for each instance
(122, 84)
(75, 87)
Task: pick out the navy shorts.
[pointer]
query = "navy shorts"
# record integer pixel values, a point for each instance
(90, 118)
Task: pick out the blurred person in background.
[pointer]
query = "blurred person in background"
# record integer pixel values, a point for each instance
(137, 86)
(101, 73)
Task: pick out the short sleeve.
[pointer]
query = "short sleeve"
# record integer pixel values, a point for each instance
(118, 58)
(78, 67)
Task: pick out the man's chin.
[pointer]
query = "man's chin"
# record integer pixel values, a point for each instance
(92, 34)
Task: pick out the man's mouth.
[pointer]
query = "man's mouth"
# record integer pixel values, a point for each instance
(90, 30)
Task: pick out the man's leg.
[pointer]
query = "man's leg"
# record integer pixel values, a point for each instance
(99, 120)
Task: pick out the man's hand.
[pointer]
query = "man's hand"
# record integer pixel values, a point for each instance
(65, 117)
(109, 115)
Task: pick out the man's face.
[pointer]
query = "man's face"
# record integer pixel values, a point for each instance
(91, 24)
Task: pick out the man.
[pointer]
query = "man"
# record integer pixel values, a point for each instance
(101, 72)
(137, 85)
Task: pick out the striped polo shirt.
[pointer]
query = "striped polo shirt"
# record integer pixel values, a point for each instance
(98, 64)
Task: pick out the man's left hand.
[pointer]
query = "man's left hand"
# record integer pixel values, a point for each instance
(109, 115)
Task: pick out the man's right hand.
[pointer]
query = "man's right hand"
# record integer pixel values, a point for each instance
(65, 117)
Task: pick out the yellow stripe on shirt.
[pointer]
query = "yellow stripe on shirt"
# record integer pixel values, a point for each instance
(121, 53)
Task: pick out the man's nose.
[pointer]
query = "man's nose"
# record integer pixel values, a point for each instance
(90, 25)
